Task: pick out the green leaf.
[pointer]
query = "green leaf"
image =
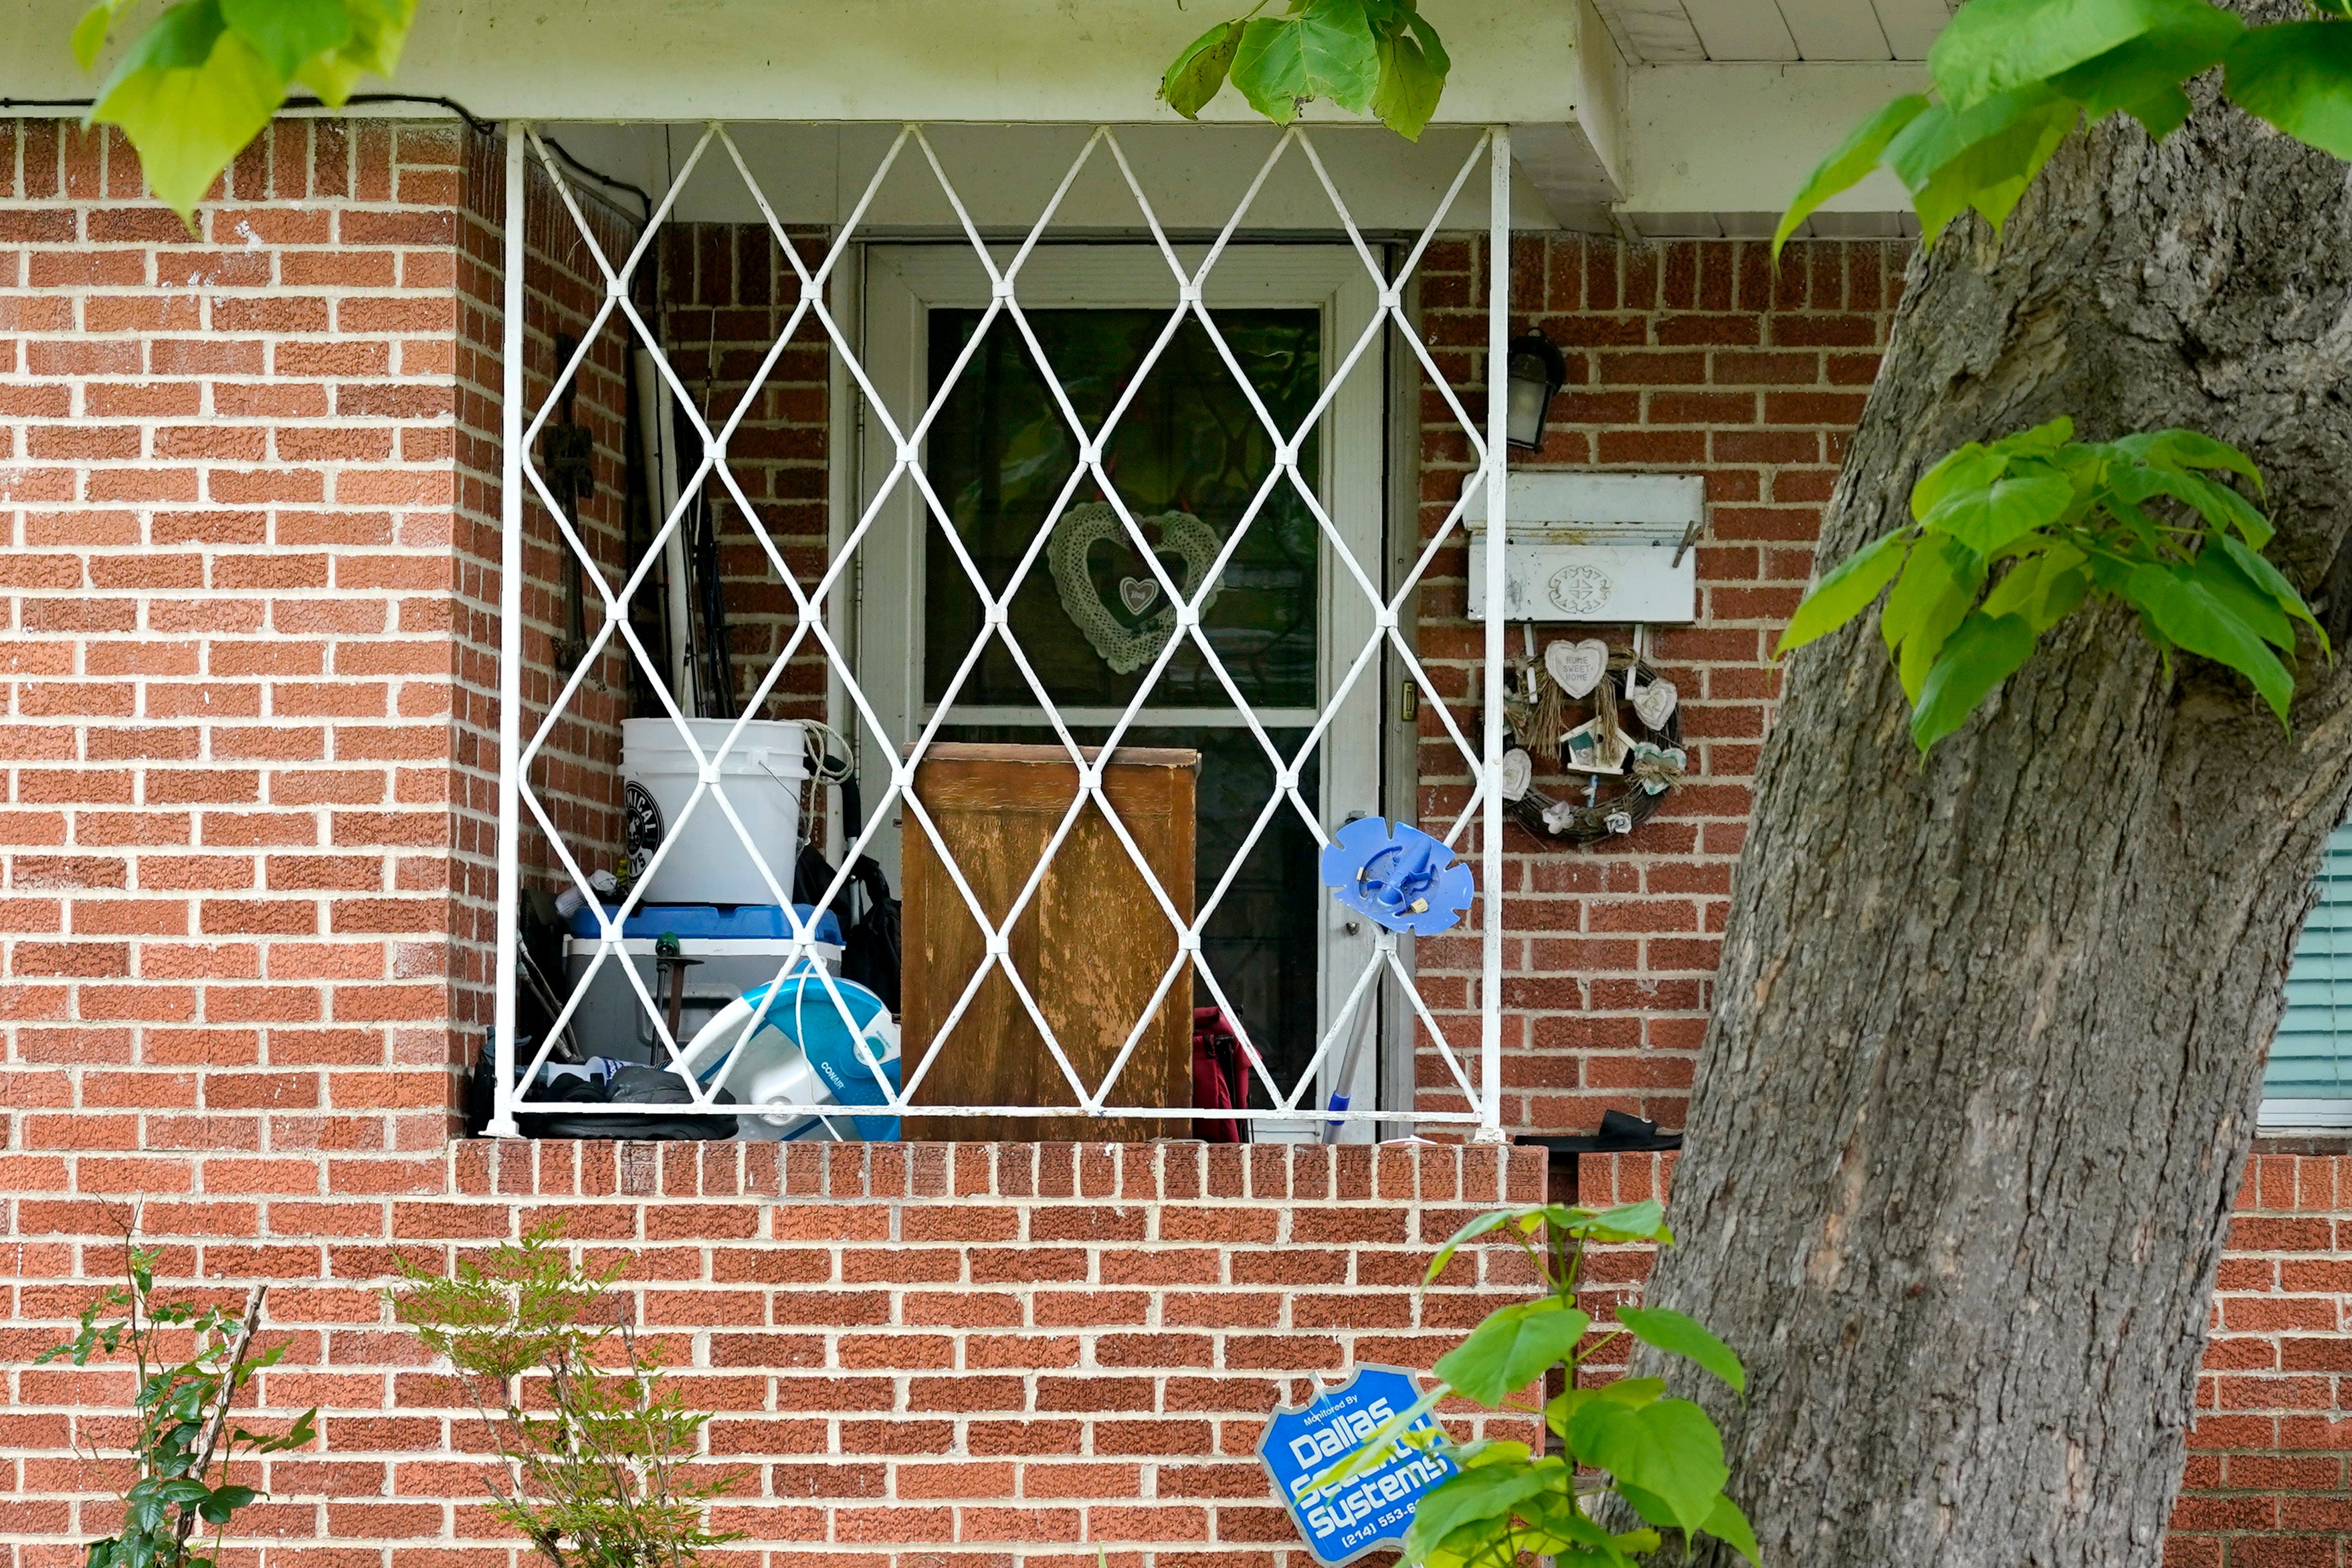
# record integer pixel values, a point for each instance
(89, 33)
(1493, 1219)
(1983, 157)
(182, 38)
(1563, 1527)
(225, 1501)
(2178, 449)
(1668, 1449)
(1642, 1221)
(379, 31)
(1409, 88)
(1196, 75)
(286, 33)
(1846, 591)
(1993, 45)
(2142, 78)
(2186, 612)
(1668, 1330)
(1988, 520)
(1431, 45)
(1561, 1407)
(1512, 1349)
(1488, 1492)
(1973, 467)
(2042, 589)
(2221, 578)
(1726, 1523)
(2297, 75)
(1379, 1439)
(1982, 652)
(2271, 581)
(1326, 50)
(2040, 441)
(2217, 503)
(1939, 584)
(1846, 167)
(189, 95)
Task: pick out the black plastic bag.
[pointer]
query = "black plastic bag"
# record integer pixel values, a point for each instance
(645, 1086)
(869, 953)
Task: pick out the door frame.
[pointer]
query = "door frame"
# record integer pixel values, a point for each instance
(901, 283)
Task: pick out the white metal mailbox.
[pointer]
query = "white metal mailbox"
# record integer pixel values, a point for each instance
(1594, 547)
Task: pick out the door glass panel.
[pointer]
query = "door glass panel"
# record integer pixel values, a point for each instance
(998, 455)
(1189, 444)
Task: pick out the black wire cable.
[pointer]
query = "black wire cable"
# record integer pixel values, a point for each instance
(480, 126)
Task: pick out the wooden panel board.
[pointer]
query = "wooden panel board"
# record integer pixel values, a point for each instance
(1741, 29)
(1835, 29)
(1090, 945)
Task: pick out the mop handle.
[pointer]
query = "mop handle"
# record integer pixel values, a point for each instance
(1340, 1098)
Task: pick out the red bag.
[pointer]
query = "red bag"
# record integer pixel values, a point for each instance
(1219, 1082)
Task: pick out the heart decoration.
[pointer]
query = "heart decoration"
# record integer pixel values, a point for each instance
(1654, 704)
(1124, 646)
(1576, 667)
(1518, 771)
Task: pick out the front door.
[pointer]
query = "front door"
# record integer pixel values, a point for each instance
(1189, 456)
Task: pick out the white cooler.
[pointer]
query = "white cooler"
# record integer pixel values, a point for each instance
(741, 946)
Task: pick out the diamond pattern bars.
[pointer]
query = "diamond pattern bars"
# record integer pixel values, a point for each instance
(996, 626)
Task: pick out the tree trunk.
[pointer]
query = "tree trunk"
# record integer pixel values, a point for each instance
(1988, 1032)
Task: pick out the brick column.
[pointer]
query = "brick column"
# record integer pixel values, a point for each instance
(228, 477)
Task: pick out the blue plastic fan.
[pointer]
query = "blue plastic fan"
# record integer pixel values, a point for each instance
(1399, 876)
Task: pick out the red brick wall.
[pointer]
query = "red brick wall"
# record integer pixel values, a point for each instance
(574, 775)
(1687, 357)
(249, 480)
(2267, 1485)
(978, 1353)
(225, 477)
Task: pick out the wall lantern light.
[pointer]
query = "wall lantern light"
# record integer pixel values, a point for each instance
(1536, 368)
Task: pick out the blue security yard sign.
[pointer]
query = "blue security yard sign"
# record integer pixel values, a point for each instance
(1374, 1508)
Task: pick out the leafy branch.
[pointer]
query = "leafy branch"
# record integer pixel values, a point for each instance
(183, 1433)
(2013, 77)
(596, 1449)
(1662, 1458)
(2008, 538)
(206, 76)
(1380, 55)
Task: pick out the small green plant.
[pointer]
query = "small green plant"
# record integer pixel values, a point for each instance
(2008, 538)
(1380, 55)
(597, 1451)
(184, 1438)
(1661, 1457)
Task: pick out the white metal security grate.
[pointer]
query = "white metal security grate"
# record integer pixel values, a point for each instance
(521, 741)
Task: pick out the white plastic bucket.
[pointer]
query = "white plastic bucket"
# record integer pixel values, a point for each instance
(762, 775)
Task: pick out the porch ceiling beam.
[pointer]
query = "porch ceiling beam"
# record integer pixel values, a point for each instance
(1033, 61)
(1717, 149)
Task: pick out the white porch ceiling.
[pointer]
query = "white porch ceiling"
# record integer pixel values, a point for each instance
(1643, 117)
(1672, 32)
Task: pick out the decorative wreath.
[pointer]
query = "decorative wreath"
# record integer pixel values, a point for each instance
(1626, 741)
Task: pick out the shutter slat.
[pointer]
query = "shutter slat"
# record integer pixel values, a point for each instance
(2312, 1056)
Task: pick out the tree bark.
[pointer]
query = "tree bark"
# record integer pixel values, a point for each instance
(1986, 1046)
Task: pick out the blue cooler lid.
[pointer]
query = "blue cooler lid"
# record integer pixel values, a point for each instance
(706, 922)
